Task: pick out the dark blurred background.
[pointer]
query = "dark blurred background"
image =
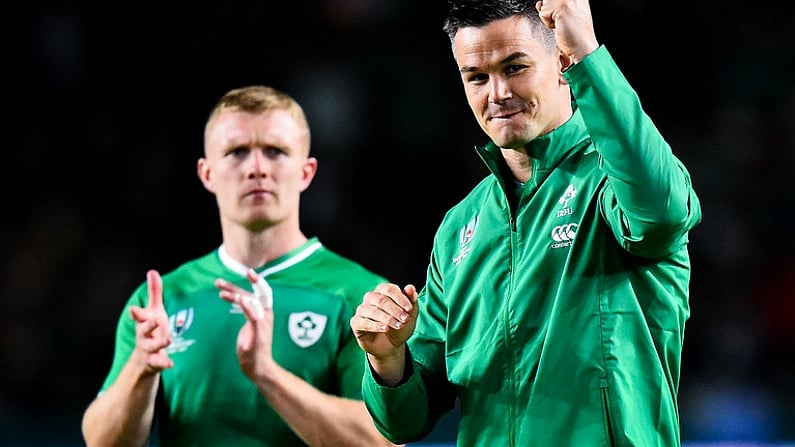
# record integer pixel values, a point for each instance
(105, 105)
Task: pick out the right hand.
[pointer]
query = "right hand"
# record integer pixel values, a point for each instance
(385, 320)
(151, 329)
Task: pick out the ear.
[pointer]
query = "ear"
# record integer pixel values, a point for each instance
(308, 172)
(203, 171)
(564, 63)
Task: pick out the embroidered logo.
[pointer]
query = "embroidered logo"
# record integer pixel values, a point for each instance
(564, 235)
(178, 324)
(465, 236)
(306, 327)
(568, 195)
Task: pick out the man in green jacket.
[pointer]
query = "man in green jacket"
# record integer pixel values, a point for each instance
(556, 297)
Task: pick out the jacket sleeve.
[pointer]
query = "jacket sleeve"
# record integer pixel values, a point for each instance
(648, 200)
(409, 411)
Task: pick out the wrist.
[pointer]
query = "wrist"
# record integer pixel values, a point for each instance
(581, 53)
(388, 370)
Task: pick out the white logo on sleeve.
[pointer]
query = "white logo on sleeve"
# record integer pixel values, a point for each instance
(178, 324)
(306, 327)
(465, 236)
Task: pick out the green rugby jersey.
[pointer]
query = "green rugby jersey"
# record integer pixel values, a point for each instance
(206, 399)
(555, 310)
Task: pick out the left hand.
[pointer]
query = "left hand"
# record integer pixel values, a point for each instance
(255, 339)
(573, 25)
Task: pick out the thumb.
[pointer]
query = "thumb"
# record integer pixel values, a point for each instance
(262, 290)
(545, 14)
(411, 292)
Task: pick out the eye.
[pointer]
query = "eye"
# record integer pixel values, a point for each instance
(476, 78)
(273, 152)
(238, 152)
(515, 68)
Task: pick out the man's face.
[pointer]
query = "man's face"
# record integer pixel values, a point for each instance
(513, 83)
(257, 165)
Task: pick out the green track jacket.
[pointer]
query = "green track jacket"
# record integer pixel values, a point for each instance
(555, 311)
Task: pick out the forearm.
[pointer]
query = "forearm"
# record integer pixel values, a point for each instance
(388, 370)
(649, 183)
(318, 418)
(122, 415)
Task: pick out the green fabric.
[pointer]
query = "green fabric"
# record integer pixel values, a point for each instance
(208, 400)
(559, 320)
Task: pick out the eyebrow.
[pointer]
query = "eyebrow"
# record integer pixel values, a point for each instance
(510, 58)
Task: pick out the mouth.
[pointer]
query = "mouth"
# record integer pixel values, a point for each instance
(257, 193)
(503, 115)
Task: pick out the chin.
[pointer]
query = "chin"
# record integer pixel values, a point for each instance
(510, 143)
(509, 140)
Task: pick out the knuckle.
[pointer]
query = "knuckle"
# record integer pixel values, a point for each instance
(383, 301)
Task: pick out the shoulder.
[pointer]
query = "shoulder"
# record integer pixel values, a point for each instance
(191, 275)
(479, 200)
(334, 273)
(345, 266)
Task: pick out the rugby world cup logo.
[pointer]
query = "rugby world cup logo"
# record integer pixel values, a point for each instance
(465, 236)
(468, 232)
(180, 322)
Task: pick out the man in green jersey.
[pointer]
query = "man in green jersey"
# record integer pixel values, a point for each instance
(211, 372)
(557, 292)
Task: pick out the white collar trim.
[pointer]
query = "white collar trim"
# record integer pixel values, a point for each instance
(238, 267)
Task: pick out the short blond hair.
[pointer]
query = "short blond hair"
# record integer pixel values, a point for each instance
(258, 99)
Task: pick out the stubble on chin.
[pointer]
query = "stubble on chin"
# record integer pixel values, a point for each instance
(510, 138)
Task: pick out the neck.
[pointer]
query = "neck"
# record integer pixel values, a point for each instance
(519, 163)
(256, 248)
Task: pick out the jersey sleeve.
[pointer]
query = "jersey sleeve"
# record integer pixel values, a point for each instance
(350, 368)
(125, 336)
(351, 362)
(648, 199)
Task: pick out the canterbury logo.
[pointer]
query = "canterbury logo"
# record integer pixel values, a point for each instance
(564, 233)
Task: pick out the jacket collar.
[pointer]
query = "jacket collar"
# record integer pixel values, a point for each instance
(547, 151)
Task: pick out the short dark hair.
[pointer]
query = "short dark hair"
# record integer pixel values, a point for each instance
(478, 13)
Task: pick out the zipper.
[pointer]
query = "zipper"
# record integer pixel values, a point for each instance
(608, 426)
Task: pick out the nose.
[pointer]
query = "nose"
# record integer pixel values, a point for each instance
(259, 164)
(499, 90)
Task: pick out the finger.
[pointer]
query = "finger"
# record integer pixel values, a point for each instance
(148, 338)
(139, 314)
(383, 310)
(361, 324)
(222, 284)
(227, 290)
(396, 295)
(155, 288)
(262, 290)
(251, 306)
(161, 364)
(142, 315)
(153, 345)
(545, 15)
(145, 325)
(236, 295)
